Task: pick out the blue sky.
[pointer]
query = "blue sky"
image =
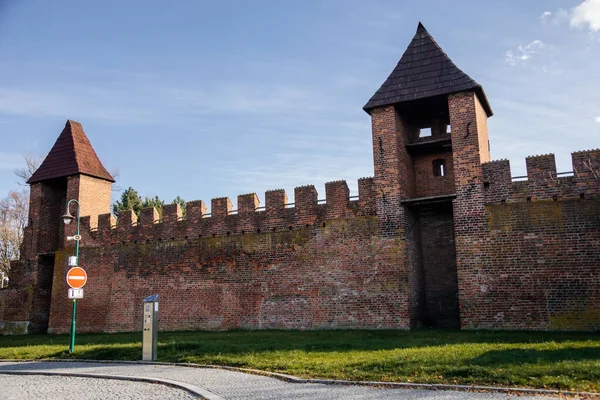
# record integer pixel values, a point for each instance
(209, 99)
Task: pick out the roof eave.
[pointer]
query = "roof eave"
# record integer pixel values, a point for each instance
(478, 90)
(484, 101)
(33, 180)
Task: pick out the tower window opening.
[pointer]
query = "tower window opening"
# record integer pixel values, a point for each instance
(448, 128)
(439, 167)
(425, 132)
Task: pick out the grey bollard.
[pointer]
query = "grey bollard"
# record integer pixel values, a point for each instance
(150, 327)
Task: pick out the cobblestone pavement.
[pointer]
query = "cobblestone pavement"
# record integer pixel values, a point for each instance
(230, 385)
(18, 387)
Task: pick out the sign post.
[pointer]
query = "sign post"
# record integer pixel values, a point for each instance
(76, 278)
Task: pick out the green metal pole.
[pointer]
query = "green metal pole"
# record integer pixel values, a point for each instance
(72, 345)
(74, 314)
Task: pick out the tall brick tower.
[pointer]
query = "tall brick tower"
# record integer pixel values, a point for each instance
(71, 170)
(429, 125)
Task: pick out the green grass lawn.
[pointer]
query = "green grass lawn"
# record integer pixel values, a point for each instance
(567, 361)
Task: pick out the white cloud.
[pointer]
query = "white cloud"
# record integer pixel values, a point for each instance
(545, 16)
(524, 53)
(555, 17)
(598, 119)
(587, 14)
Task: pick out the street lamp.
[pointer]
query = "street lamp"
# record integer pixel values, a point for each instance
(67, 218)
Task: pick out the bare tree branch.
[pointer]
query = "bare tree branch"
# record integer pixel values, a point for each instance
(13, 219)
(116, 174)
(588, 165)
(32, 164)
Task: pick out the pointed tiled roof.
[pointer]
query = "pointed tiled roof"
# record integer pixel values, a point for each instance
(72, 154)
(424, 71)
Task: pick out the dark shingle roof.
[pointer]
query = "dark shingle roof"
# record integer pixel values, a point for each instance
(424, 71)
(72, 154)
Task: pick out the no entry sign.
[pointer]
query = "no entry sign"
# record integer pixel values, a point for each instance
(76, 277)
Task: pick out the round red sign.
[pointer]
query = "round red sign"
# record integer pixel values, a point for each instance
(76, 277)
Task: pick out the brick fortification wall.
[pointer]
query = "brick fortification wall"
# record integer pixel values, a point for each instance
(25, 305)
(526, 253)
(532, 264)
(471, 248)
(306, 267)
(503, 255)
(540, 246)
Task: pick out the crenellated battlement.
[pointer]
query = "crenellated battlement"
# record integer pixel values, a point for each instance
(542, 180)
(250, 217)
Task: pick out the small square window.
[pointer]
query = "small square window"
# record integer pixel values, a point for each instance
(439, 167)
(425, 132)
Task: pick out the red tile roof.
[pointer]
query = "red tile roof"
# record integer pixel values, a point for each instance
(424, 70)
(72, 154)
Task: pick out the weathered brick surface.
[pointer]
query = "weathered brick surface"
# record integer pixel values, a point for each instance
(542, 247)
(93, 195)
(414, 267)
(393, 182)
(542, 181)
(439, 269)
(428, 185)
(482, 132)
(394, 175)
(46, 204)
(28, 297)
(305, 278)
(468, 207)
(541, 268)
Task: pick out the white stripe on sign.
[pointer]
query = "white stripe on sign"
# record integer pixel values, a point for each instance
(76, 278)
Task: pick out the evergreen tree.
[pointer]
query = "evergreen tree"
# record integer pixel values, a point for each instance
(155, 202)
(182, 204)
(130, 200)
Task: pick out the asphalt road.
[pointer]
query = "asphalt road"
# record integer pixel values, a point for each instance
(220, 384)
(15, 387)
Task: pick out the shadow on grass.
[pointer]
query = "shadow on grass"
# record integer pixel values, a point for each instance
(129, 353)
(564, 368)
(238, 342)
(499, 358)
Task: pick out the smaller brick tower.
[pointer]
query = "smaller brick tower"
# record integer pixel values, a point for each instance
(71, 170)
(429, 139)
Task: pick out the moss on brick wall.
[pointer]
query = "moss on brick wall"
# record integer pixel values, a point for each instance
(332, 276)
(540, 270)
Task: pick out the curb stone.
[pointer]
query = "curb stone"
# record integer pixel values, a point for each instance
(194, 390)
(384, 385)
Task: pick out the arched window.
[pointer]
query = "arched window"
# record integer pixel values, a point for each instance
(439, 167)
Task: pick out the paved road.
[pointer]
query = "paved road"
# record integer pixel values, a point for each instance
(16, 387)
(229, 385)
